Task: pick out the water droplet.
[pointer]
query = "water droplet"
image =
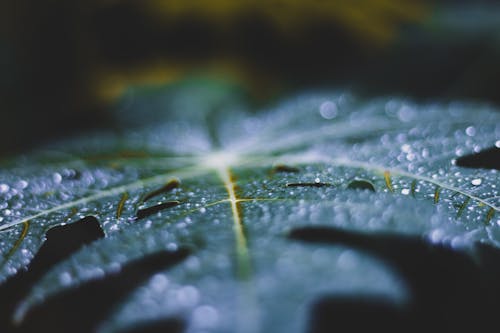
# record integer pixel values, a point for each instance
(406, 114)
(497, 143)
(317, 180)
(57, 178)
(4, 188)
(470, 131)
(22, 184)
(188, 296)
(347, 260)
(203, 210)
(159, 282)
(328, 110)
(476, 181)
(172, 246)
(205, 316)
(65, 278)
(405, 191)
(436, 235)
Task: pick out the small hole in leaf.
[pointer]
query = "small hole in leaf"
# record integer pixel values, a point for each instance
(282, 168)
(361, 184)
(318, 184)
(169, 186)
(486, 159)
(145, 212)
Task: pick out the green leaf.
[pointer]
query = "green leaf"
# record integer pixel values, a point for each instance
(208, 174)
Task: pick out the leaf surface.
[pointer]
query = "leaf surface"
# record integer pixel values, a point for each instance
(230, 184)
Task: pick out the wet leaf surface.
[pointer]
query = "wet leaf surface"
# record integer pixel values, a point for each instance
(228, 184)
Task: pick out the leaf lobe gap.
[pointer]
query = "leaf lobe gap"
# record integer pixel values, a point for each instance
(62, 241)
(486, 159)
(92, 302)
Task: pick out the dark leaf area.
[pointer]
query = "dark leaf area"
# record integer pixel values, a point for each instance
(486, 159)
(451, 291)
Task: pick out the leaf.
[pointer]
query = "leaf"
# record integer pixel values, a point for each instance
(230, 184)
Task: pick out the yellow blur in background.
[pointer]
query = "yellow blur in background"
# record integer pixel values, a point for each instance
(373, 24)
(65, 63)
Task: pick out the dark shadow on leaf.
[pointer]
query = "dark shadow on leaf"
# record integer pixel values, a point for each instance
(83, 308)
(355, 314)
(168, 325)
(486, 159)
(450, 291)
(61, 243)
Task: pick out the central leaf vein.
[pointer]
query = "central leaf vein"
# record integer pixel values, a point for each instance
(242, 255)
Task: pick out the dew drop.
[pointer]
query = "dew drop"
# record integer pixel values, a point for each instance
(476, 181)
(159, 282)
(205, 316)
(4, 188)
(317, 180)
(405, 148)
(328, 110)
(65, 278)
(459, 151)
(470, 131)
(405, 191)
(57, 178)
(406, 114)
(22, 184)
(347, 260)
(172, 246)
(188, 296)
(203, 210)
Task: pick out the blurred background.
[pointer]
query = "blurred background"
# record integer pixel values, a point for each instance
(64, 64)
